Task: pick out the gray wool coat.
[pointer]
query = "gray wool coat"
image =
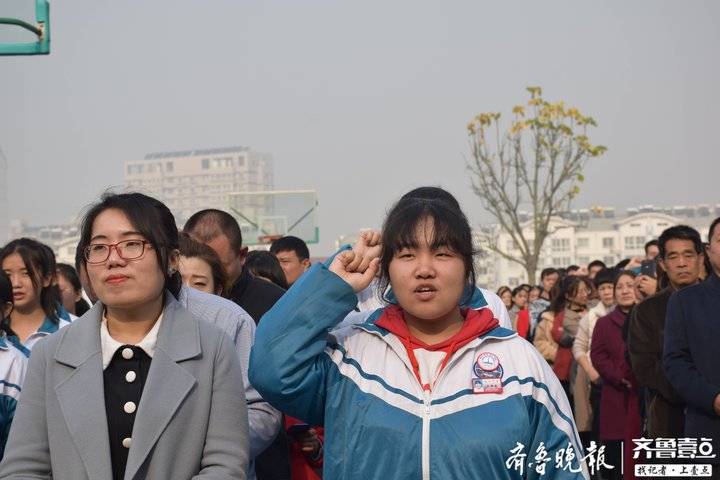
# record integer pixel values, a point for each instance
(191, 422)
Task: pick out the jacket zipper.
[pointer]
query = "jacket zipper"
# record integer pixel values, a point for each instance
(427, 397)
(425, 451)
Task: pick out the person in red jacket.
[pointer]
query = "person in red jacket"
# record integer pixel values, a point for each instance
(306, 449)
(619, 402)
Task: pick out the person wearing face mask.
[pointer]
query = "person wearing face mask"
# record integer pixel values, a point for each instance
(425, 387)
(138, 387)
(619, 409)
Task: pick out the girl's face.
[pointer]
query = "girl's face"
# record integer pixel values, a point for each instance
(68, 294)
(606, 294)
(427, 282)
(197, 273)
(581, 295)
(118, 282)
(520, 299)
(25, 296)
(534, 294)
(507, 298)
(625, 295)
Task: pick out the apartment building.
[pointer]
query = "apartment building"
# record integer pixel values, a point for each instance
(191, 180)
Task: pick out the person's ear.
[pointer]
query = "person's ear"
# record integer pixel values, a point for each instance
(242, 255)
(305, 263)
(173, 262)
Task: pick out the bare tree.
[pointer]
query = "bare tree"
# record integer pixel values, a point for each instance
(535, 166)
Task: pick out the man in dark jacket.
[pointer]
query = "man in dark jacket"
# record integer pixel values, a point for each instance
(692, 355)
(221, 232)
(681, 257)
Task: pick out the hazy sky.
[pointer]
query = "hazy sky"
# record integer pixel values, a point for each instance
(359, 100)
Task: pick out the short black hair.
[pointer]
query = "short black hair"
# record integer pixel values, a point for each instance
(266, 265)
(290, 243)
(39, 261)
(572, 268)
(451, 229)
(150, 217)
(518, 289)
(548, 271)
(208, 224)
(622, 264)
(606, 275)
(596, 263)
(6, 296)
(650, 244)
(679, 232)
(711, 230)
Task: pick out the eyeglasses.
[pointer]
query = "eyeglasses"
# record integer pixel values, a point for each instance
(127, 250)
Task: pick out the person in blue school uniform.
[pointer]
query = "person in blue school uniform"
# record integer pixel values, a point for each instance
(12, 366)
(424, 388)
(35, 315)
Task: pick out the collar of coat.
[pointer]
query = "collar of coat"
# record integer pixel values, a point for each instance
(179, 337)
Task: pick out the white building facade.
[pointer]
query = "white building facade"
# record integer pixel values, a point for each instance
(582, 236)
(192, 180)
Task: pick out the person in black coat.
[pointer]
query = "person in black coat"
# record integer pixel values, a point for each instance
(691, 359)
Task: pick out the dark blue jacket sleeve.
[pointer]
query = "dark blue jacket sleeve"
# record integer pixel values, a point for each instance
(678, 362)
(288, 363)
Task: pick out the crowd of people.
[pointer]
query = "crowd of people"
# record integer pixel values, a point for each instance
(168, 353)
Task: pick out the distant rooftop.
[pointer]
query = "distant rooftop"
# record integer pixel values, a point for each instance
(198, 152)
(604, 218)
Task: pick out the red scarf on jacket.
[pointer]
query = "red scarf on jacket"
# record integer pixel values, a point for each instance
(564, 357)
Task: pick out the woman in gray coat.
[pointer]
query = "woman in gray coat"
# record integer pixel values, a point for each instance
(137, 388)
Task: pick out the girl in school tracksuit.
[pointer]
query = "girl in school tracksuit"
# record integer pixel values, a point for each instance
(12, 366)
(37, 311)
(423, 388)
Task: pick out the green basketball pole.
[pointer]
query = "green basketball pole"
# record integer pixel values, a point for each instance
(41, 29)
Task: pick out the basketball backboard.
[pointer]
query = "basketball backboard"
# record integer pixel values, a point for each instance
(268, 215)
(24, 27)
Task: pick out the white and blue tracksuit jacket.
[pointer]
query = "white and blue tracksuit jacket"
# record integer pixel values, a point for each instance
(379, 422)
(13, 364)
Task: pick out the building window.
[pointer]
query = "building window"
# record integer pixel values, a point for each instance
(169, 166)
(583, 260)
(609, 261)
(634, 242)
(608, 242)
(560, 244)
(205, 163)
(583, 242)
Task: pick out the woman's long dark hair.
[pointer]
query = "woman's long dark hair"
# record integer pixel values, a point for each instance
(451, 229)
(68, 271)
(150, 218)
(39, 261)
(6, 296)
(566, 287)
(264, 264)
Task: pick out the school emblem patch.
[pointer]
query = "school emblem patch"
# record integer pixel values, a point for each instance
(488, 373)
